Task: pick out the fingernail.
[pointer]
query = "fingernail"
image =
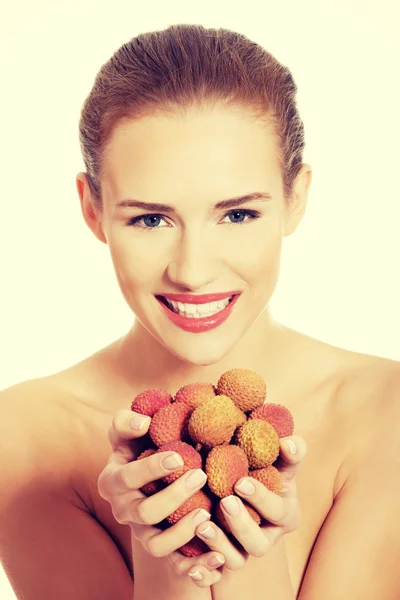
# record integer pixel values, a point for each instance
(195, 478)
(215, 561)
(246, 487)
(196, 575)
(231, 505)
(292, 446)
(207, 532)
(138, 422)
(172, 461)
(200, 517)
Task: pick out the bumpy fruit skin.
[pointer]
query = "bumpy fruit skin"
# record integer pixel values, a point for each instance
(222, 522)
(270, 477)
(225, 465)
(260, 442)
(191, 459)
(198, 500)
(150, 401)
(193, 394)
(153, 486)
(213, 422)
(195, 547)
(277, 415)
(246, 388)
(169, 424)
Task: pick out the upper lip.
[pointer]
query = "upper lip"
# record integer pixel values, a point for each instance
(197, 299)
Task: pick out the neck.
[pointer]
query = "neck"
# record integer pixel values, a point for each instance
(142, 361)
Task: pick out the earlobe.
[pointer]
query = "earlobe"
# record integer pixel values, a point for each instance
(295, 211)
(90, 214)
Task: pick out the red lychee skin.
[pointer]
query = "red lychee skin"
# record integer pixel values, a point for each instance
(150, 401)
(198, 500)
(191, 459)
(225, 465)
(153, 486)
(277, 415)
(195, 547)
(169, 424)
(270, 477)
(194, 393)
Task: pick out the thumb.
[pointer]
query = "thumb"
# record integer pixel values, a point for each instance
(126, 425)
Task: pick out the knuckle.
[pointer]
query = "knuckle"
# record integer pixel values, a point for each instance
(142, 514)
(236, 564)
(262, 548)
(153, 548)
(180, 566)
(126, 477)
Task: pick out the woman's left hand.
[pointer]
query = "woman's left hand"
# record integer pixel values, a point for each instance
(282, 512)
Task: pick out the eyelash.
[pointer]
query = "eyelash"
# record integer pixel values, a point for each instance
(252, 214)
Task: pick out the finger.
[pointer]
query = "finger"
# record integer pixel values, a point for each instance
(162, 543)
(182, 564)
(287, 463)
(126, 425)
(137, 473)
(202, 577)
(269, 505)
(253, 539)
(217, 540)
(156, 508)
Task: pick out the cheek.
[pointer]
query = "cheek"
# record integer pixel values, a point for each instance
(260, 255)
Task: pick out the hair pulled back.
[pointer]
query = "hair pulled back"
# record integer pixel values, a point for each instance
(184, 66)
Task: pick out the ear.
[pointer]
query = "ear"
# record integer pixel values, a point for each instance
(295, 210)
(91, 215)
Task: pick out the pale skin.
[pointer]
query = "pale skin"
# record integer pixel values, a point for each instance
(186, 162)
(345, 404)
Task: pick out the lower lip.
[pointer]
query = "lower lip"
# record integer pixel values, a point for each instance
(199, 325)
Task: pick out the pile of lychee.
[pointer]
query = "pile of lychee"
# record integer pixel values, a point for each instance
(227, 430)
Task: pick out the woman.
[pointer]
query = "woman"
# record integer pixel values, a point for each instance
(193, 147)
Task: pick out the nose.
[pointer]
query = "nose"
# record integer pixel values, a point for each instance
(194, 263)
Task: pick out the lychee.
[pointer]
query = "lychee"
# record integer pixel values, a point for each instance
(260, 442)
(152, 487)
(150, 401)
(191, 459)
(199, 500)
(225, 465)
(195, 547)
(169, 424)
(279, 416)
(214, 421)
(246, 388)
(194, 393)
(270, 477)
(222, 522)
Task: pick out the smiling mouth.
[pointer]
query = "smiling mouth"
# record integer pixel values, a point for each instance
(174, 310)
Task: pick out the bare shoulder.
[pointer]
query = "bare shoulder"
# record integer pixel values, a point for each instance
(368, 406)
(37, 436)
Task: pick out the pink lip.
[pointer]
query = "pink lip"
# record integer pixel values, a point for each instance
(197, 299)
(199, 325)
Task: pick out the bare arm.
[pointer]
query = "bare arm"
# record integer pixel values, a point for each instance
(357, 551)
(49, 547)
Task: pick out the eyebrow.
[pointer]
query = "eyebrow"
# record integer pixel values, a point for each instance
(229, 203)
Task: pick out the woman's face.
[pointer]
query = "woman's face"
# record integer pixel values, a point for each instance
(192, 163)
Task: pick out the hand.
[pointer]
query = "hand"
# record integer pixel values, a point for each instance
(119, 483)
(281, 511)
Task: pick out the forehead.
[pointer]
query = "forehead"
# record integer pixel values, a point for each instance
(218, 149)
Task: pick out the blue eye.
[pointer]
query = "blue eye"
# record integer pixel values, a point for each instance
(149, 223)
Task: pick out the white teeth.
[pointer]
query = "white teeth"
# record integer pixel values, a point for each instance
(196, 311)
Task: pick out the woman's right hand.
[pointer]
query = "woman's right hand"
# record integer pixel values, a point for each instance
(120, 481)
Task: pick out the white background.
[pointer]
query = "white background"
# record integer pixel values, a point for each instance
(339, 280)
